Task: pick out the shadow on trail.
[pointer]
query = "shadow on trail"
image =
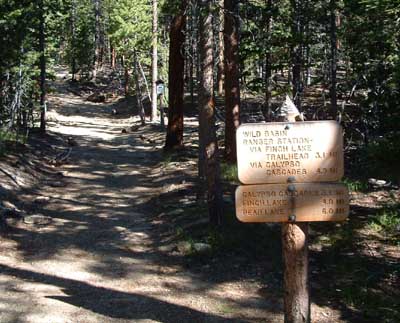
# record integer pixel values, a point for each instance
(116, 190)
(113, 303)
(107, 180)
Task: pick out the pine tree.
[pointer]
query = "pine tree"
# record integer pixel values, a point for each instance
(208, 154)
(232, 86)
(176, 80)
(154, 74)
(42, 50)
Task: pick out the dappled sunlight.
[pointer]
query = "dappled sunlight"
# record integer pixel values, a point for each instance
(80, 175)
(112, 247)
(113, 302)
(80, 131)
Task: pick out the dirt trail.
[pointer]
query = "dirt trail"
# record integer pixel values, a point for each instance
(100, 259)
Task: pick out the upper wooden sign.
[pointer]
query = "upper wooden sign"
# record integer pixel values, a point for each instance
(292, 202)
(282, 152)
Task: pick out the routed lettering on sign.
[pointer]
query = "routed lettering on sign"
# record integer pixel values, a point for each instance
(301, 151)
(292, 202)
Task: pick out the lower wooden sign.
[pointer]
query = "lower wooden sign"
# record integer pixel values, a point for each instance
(305, 202)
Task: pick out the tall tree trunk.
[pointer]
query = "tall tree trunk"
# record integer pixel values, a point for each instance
(176, 80)
(73, 40)
(113, 57)
(333, 37)
(97, 37)
(268, 68)
(297, 60)
(138, 90)
(207, 132)
(308, 34)
(145, 80)
(154, 62)
(232, 86)
(126, 75)
(308, 60)
(221, 54)
(197, 48)
(42, 49)
(305, 44)
(16, 102)
(192, 50)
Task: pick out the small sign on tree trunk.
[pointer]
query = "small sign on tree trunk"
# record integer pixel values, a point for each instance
(160, 87)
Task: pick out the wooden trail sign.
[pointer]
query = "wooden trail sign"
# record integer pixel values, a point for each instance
(295, 202)
(294, 161)
(279, 152)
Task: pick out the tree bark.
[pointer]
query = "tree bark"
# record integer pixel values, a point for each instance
(145, 80)
(207, 132)
(297, 34)
(268, 68)
(197, 49)
(97, 37)
(42, 49)
(221, 54)
(154, 62)
(113, 57)
(334, 110)
(73, 40)
(138, 90)
(126, 75)
(192, 51)
(232, 86)
(295, 258)
(174, 137)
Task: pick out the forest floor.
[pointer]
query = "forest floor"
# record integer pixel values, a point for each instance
(107, 228)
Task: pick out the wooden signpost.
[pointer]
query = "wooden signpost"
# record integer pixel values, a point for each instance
(296, 163)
